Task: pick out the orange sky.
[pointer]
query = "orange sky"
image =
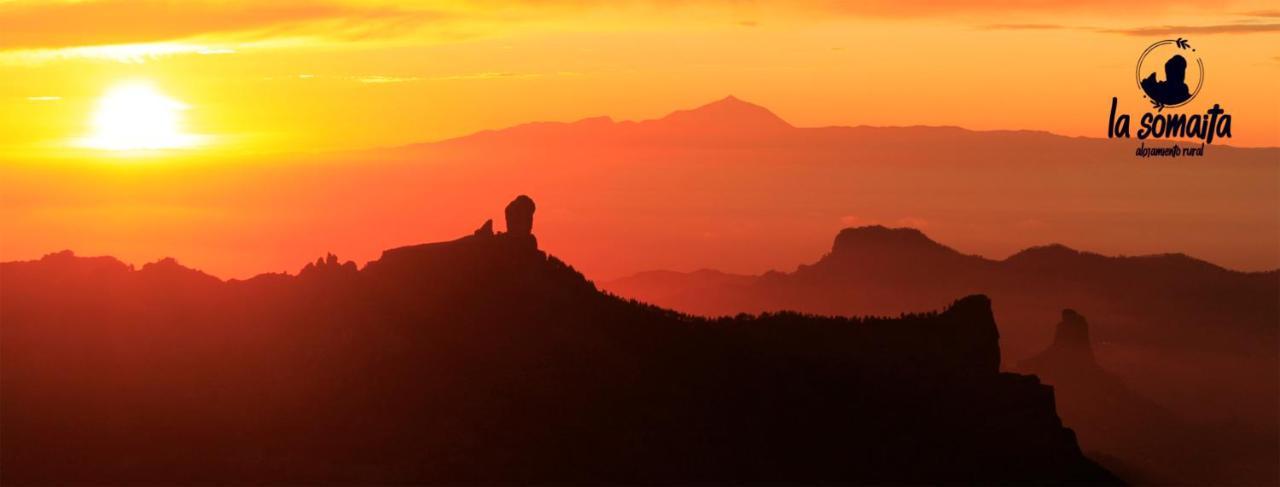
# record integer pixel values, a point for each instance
(289, 76)
(292, 75)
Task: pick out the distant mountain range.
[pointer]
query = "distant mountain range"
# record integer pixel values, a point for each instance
(486, 360)
(880, 270)
(731, 184)
(1197, 339)
(728, 185)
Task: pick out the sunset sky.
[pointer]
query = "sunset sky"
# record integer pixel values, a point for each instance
(289, 75)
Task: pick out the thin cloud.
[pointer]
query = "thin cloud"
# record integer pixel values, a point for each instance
(980, 8)
(386, 80)
(452, 77)
(489, 75)
(1023, 27)
(27, 25)
(382, 80)
(1172, 30)
(1165, 30)
(49, 25)
(1262, 13)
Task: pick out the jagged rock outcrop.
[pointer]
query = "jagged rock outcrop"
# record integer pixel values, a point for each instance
(329, 265)
(485, 230)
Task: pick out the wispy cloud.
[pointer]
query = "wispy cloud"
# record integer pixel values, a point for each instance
(55, 25)
(985, 8)
(1262, 13)
(490, 75)
(1022, 27)
(125, 53)
(385, 79)
(1148, 31)
(378, 80)
(1172, 30)
(48, 25)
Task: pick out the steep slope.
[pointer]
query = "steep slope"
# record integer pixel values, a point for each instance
(484, 359)
(1133, 435)
(1196, 339)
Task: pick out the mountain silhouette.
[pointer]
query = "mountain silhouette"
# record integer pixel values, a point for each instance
(1071, 349)
(486, 360)
(727, 120)
(1196, 339)
(725, 181)
(711, 195)
(727, 114)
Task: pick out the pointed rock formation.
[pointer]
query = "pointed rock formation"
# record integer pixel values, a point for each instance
(485, 230)
(329, 265)
(1071, 348)
(1122, 429)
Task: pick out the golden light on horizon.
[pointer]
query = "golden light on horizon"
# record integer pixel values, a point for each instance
(135, 115)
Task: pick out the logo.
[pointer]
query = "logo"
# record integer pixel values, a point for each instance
(1164, 76)
(1170, 75)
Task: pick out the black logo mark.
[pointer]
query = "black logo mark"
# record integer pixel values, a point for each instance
(1175, 89)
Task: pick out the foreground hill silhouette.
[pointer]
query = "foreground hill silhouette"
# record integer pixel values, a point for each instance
(484, 359)
(1194, 338)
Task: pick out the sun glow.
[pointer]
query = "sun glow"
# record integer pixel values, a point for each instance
(137, 116)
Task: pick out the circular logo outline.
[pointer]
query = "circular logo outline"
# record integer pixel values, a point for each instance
(1182, 44)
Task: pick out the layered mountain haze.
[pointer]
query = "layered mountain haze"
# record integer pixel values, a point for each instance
(1194, 338)
(814, 243)
(486, 360)
(1134, 435)
(729, 185)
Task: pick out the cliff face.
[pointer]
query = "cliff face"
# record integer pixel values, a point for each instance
(1136, 437)
(1194, 337)
(486, 360)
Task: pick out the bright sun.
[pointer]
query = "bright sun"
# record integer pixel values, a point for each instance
(136, 116)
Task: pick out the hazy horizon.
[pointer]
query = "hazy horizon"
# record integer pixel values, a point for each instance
(215, 210)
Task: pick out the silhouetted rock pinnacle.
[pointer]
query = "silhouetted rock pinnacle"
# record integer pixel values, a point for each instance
(1073, 335)
(1071, 347)
(1124, 429)
(520, 216)
(329, 265)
